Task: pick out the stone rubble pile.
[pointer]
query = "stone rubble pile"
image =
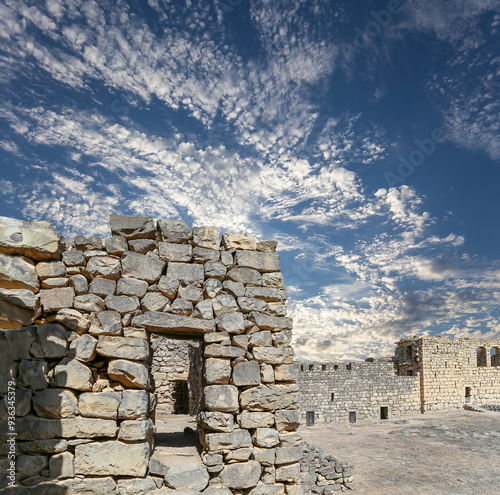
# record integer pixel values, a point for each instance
(78, 318)
(323, 474)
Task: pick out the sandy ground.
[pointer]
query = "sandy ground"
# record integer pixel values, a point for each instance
(440, 454)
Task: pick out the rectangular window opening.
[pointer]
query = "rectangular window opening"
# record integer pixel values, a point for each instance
(311, 367)
(467, 394)
(332, 398)
(335, 366)
(323, 367)
(352, 416)
(310, 418)
(384, 412)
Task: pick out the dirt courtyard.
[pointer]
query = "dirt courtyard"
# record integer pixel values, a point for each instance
(455, 453)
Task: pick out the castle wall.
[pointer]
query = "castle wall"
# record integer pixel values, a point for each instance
(334, 390)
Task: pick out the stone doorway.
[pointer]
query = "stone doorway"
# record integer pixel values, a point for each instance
(176, 367)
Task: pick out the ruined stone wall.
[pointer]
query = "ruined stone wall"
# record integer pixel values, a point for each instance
(334, 390)
(454, 373)
(80, 320)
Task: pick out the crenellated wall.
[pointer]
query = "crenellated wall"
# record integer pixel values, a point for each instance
(88, 326)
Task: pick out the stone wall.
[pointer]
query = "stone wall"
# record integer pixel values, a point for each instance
(426, 374)
(333, 391)
(80, 320)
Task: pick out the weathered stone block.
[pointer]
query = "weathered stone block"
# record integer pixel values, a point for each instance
(105, 267)
(269, 398)
(132, 227)
(247, 276)
(86, 428)
(154, 301)
(165, 322)
(217, 421)
(142, 267)
(223, 351)
(204, 310)
(99, 405)
(187, 476)
(263, 489)
(261, 339)
(221, 398)
(245, 374)
(131, 287)
(239, 241)
(70, 373)
(129, 373)
(287, 419)
(103, 286)
(252, 420)
(55, 403)
(79, 284)
(22, 404)
(142, 245)
(237, 439)
(241, 475)
(89, 303)
(230, 322)
(116, 245)
(85, 243)
(266, 457)
(106, 323)
(123, 347)
(215, 269)
(184, 272)
(55, 299)
(262, 262)
(248, 304)
(288, 455)
(50, 269)
(138, 486)
(265, 437)
(289, 473)
(122, 304)
(18, 272)
(217, 371)
(134, 404)
(112, 458)
(134, 430)
(73, 319)
(266, 322)
(62, 465)
(175, 252)
(33, 374)
(89, 486)
(286, 372)
(18, 307)
(30, 465)
(207, 237)
(174, 231)
(83, 348)
(37, 242)
(273, 355)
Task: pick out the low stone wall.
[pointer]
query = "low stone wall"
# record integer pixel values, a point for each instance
(80, 319)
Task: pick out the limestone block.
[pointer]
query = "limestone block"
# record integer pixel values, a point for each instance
(73, 319)
(247, 276)
(282, 339)
(131, 287)
(266, 457)
(216, 337)
(142, 245)
(56, 299)
(70, 373)
(187, 476)
(154, 301)
(157, 467)
(168, 286)
(265, 437)
(85, 243)
(217, 490)
(181, 307)
(89, 486)
(217, 421)
(142, 267)
(273, 355)
(122, 304)
(174, 231)
(237, 439)
(289, 473)
(138, 486)
(22, 405)
(277, 309)
(221, 398)
(288, 455)
(230, 322)
(263, 489)
(105, 267)
(30, 465)
(215, 269)
(99, 405)
(129, 373)
(262, 262)
(238, 455)
(73, 258)
(83, 348)
(18, 307)
(267, 246)
(62, 465)
(134, 430)
(204, 310)
(267, 294)
(287, 419)
(164, 322)
(217, 371)
(213, 287)
(132, 227)
(191, 292)
(252, 420)
(261, 339)
(106, 323)
(224, 304)
(79, 284)
(207, 237)
(37, 242)
(123, 347)
(226, 258)
(86, 428)
(290, 438)
(116, 245)
(248, 304)
(241, 475)
(223, 351)
(43, 447)
(89, 303)
(240, 341)
(245, 374)
(32, 428)
(50, 269)
(18, 272)
(269, 398)
(134, 404)
(32, 374)
(103, 287)
(185, 272)
(266, 322)
(112, 458)
(51, 339)
(286, 372)
(54, 283)
(55, 403)
(237, 289)
(239, 241)
(90, 253)
(175, 252)
(273, 279)
(267, 373)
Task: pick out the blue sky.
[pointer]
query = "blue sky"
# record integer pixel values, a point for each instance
(363, 136)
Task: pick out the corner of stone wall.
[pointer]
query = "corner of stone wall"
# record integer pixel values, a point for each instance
(76, 360)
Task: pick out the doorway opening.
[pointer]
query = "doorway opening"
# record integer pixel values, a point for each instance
(310, 418)
(352, 417)
(467, 394)
(384, 412)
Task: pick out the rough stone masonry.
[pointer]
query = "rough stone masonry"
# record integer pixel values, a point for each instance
(78, 319)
